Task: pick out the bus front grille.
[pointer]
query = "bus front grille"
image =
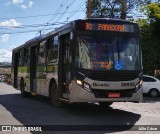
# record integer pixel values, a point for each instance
(99, 93)
(113, 76)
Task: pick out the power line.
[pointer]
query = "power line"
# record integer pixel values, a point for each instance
(24, 17)
(23, 26)
(28, 31)
(58, 10)
(65, 10)
(34, 16)
(37, 25)
(33, 25)
(80, 4)
(78, 7)
(69, 5)
(48, 24)
(37, 15)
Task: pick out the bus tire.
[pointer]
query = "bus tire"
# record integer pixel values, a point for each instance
(54, 96)
(22, 87)
(105, 104)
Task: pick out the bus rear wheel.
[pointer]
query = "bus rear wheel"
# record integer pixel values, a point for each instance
(105, 104)
(22, 87)
(54, 96)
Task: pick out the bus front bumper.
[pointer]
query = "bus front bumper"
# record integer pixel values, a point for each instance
(78, 94)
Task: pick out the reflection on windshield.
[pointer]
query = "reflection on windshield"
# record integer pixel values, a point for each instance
(108, 53)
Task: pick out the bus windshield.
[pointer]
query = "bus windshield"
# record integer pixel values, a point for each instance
(108, 53)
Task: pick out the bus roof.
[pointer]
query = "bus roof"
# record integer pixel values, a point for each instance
(70, 24)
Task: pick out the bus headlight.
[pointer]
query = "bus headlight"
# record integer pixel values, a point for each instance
(139, 85)
(84, 85)
(79, 82)
(141, 82)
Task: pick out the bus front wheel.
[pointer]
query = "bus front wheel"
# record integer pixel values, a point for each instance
(54, 96)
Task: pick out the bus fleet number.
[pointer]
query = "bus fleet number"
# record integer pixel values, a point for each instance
(128, 84)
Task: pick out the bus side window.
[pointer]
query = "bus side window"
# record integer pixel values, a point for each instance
(21, 57)
(26, 56)
(52, 50)
(42, 52)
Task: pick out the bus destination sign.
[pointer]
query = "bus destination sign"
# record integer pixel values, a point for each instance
(105, 27)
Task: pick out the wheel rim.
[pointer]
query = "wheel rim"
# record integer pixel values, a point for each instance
(154, 93)
(55, 94)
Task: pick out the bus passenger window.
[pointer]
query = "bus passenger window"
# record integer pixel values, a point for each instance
(56, 42)
(21, 57)
(26, 56)
(52, 52)
(41, 53)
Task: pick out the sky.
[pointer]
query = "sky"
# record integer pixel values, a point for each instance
(22, 20)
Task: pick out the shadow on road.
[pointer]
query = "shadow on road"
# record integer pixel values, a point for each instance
(38, 111)
(147, 99)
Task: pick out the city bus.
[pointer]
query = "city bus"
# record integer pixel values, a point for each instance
(90, 60)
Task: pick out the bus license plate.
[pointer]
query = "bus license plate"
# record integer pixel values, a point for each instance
(113, 95)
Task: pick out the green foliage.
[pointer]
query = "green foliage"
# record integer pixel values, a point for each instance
(105, 8)
(113, 8)
(153, 12)
(150, 30)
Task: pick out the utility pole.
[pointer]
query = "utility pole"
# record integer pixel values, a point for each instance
(89, 9)
(123, 9)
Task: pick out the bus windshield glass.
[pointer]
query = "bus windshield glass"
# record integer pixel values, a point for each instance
(108, 53)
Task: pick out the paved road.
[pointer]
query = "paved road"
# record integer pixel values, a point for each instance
(16, 110)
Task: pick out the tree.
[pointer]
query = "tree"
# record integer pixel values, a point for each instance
(150, 38)
(105, 8)
(113, 8)
(153, 13)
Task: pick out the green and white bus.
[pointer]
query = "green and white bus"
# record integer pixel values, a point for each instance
(91, 60)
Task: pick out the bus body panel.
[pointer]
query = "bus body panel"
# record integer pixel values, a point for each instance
(43, 78)
(98, 83)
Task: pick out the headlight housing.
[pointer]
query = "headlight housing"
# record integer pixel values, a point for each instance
(84, 85)
(79, 82)
(138, 85)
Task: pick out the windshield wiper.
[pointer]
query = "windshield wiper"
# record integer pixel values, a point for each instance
(118, 50)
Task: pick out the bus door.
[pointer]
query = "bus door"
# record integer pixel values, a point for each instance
(15, 67)
(33, 63)
(64, 64)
